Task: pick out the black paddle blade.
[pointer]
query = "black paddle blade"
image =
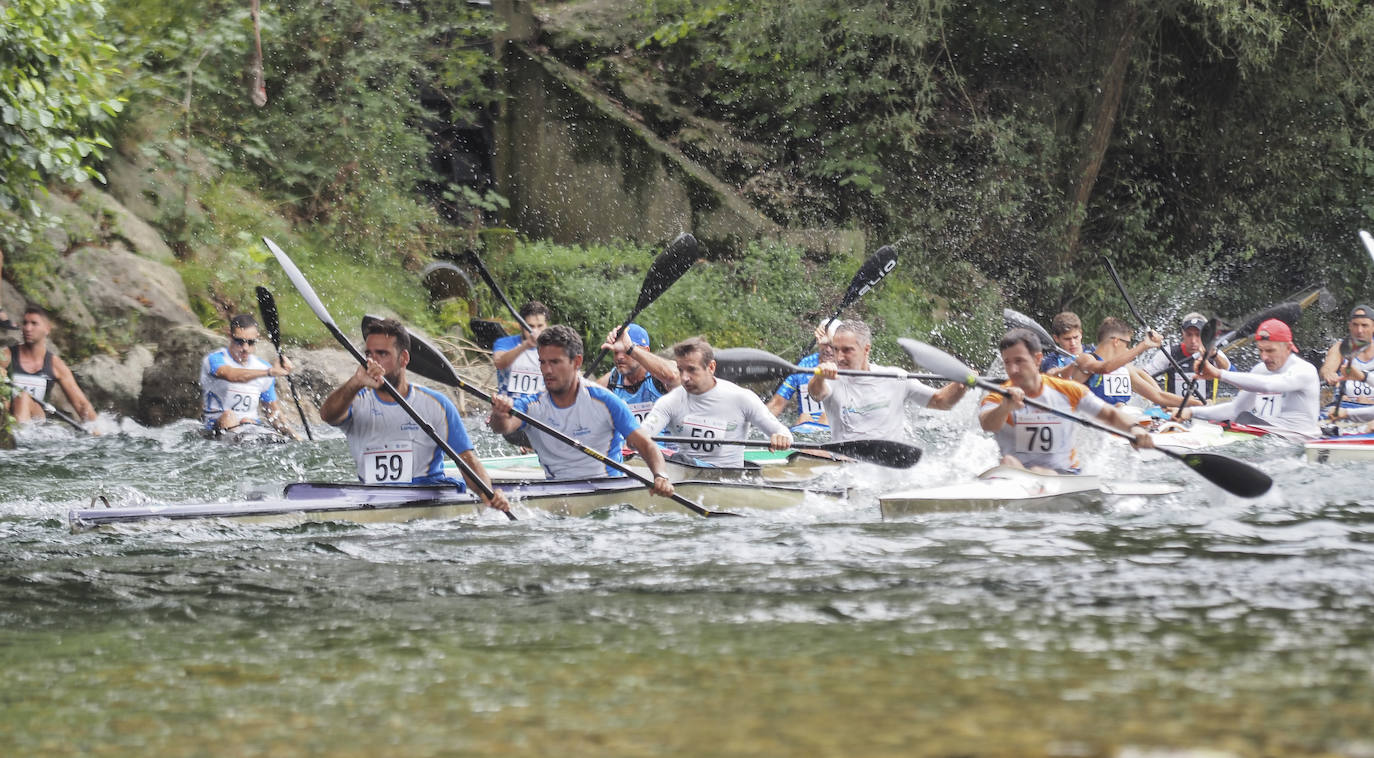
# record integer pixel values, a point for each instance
(445, 280)
(1017, 320)
(270, 321)
(667, 268)
(485, 332)
(873, 270)
(882, 452)
(747, 364)
(1289, 313)
(1236, 477)
(938, 361)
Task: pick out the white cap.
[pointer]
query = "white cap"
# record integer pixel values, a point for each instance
(831, 327)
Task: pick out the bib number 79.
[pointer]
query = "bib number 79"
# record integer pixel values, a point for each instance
(1039, 438)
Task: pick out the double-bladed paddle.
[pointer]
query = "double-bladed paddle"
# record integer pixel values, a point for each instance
(1289, 313)
(882, 452)
(1191, 388)
(873, 270)
(427, 361)
(1017, 320)
(303, 286)
(271, 322)
(1236, 477)
(52, 410)
(666, 269)
(749, 364)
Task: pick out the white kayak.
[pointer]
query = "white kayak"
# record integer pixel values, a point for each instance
(1010, 487)
(760, 466)
(1349, 447)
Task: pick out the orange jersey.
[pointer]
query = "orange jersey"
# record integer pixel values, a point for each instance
(1039, 438)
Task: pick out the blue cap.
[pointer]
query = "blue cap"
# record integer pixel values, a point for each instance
(637, 335)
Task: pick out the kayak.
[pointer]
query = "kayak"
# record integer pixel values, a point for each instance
(355, 502)
(1010, 487)
(759, 466)
(1202, 435)
(246, 434)
(1349, 447)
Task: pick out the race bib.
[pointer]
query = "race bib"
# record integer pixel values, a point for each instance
(1269, 407)
(1358, 391)
(1041, 433)
(32, 384)
(525, 383)
(242, 399)
(640, 410)
(1117, 384)
(389, 466)
(809, 410)
(706, 429)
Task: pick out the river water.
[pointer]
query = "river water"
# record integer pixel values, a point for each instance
(1195, 624)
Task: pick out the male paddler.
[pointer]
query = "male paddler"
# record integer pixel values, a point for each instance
(1358, 392)
(1186, 353)
(238, 387)
(712, 409)
(809, 410)
(584, 411)
(639, 377)
(1066, 329)
(388, 446)
(34, 369)
(867, 407)
(515, 357)
(1030, 437)
(1283, 390)
(1109, 372)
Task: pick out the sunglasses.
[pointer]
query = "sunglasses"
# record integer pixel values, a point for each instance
(242, 341)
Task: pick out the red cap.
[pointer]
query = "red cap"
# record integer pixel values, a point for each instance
(1275, 330)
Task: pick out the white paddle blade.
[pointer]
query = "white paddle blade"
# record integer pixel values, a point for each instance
(1368, 240)
(938, 361)
(299, 280)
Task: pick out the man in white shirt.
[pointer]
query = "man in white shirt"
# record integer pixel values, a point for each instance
(1282, 390)
(867, 407)
(711, 409)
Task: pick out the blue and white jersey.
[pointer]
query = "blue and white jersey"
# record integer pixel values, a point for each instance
(390, 448)
(523, 377)
(596, 418)
(243, 398)
(808, 409)
(640, 397)
(1113, 388)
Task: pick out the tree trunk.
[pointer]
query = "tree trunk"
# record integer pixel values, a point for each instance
(1112, 86)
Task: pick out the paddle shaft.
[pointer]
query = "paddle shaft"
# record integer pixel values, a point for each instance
(268, 305)
(1191, 388)
(744, 443)
(496, 289)
(51, 410)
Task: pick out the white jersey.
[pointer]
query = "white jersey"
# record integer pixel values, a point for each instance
(1359, 392)
(243, 398)
(1036, 437)
(867, 407)
(596, 418)
(1287, 399)
(726, 411)
(522, 376)
(390, 448)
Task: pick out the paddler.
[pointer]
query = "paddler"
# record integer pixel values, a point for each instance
(587, 412)
(639, 377)
(809, 410)
(1030, 437)
(34, 369)
(388, 446)
(709, 408)
(515, 357)
(236, 384)
(1109, 372)
(1282, 390)
(1186, 353)
(1357, 392)
(865, 407)
(1066, 329)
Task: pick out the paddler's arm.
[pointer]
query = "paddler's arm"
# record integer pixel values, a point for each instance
(1331, 366)
(505, 358)
(665, 371)
(236, 374)
(995, 418)
(1146, 386)
(947, 396)
(648, 452)
(334, 409)
(501, 421)
(817, 388)
(75, 396)
(777, 404)
(498, 499)
(1354, 414)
